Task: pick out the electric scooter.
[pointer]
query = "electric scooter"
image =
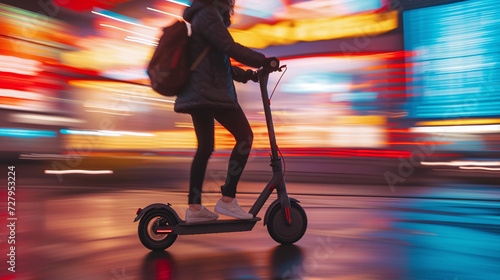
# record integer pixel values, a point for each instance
(286, 220)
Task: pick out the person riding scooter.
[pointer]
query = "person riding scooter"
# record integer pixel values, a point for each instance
(210, 95)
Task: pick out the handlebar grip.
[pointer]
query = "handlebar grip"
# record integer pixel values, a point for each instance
(274, 63)
(271, 64)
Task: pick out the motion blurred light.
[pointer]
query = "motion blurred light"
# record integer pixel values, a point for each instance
(19, 65)
(85, 5)
(319, 82)
(292, 31)
(26, 133)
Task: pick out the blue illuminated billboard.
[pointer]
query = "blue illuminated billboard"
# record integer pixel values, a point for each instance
(455, 71)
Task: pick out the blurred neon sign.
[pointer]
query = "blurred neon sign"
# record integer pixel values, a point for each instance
(292, 31)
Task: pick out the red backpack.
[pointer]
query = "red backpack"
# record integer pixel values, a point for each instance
(169, 68)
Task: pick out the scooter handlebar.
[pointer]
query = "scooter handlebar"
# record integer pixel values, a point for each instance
(262, 71)
(263, 75)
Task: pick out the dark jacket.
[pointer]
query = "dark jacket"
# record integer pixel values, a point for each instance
(211, 84)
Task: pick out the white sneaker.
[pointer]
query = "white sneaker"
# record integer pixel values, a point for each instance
(202, 215)
(232, 209)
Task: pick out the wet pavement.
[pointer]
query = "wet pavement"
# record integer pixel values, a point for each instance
(354, 232)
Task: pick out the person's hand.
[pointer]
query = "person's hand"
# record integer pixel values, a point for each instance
(243, 76)
(271, 64)
(251, 75)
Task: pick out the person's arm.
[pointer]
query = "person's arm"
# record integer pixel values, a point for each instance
(213, 30)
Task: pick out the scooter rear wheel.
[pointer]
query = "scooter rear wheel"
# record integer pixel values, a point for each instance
(152, 240)
(280, 231)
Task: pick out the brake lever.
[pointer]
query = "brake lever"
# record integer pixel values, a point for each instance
(281, 68)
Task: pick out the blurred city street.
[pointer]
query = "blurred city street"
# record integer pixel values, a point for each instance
(85, 230)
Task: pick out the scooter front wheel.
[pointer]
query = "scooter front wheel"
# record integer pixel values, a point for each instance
(151, 220)
(278, 228)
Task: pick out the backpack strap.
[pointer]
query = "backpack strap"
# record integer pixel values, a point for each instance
(200, 58)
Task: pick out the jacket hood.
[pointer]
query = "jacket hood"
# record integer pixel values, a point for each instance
(189, 12)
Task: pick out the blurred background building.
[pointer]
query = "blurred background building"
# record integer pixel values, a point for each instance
(366, 79)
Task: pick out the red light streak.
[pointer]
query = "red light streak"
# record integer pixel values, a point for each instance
(396, 95)
(408, 135)
(399, 130)
(83, 5)
(391, 88)
(388, 74)
(15, 81)
(394, 80)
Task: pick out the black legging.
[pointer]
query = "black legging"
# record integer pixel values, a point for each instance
(235, 121)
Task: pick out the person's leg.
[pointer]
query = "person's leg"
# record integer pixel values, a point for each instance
(204, 128)
(235, 121)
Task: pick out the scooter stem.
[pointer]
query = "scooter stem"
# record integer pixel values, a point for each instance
(277, 181)
(263, 79)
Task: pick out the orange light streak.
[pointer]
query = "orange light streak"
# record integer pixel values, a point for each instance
(391, 66)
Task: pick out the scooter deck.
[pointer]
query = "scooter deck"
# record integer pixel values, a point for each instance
(216, 226)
